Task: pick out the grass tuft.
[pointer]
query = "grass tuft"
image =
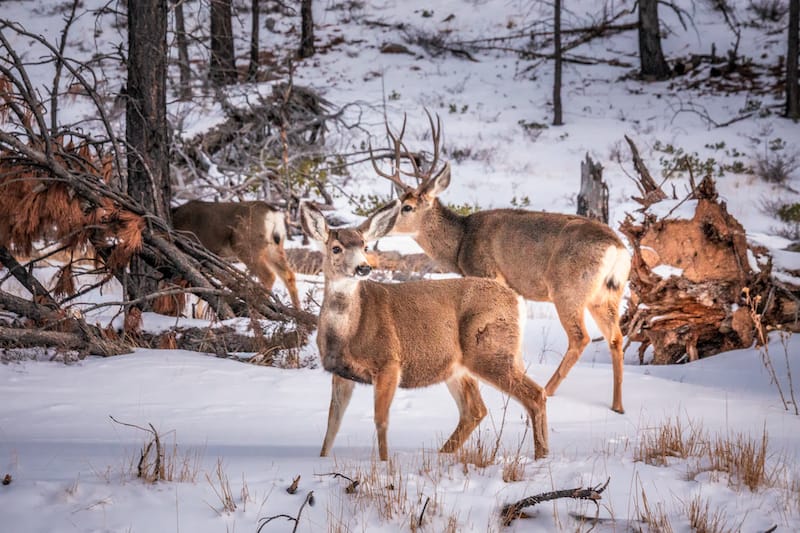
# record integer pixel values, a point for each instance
(703, 520)
(669, 440)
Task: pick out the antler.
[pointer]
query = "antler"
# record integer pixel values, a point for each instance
(401, 150)
(436, 134)
(397, 141)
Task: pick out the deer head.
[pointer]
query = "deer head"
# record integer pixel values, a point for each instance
(418, 201)
(346, 249)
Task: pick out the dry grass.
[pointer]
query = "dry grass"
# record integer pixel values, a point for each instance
(670, 440)
(514, 462)
(703, 520)
(653, 516)
(222, 488)
(153, 462)
(382, 487)
(398, 495)
(514, 468)
(477, 451)
(743, 458)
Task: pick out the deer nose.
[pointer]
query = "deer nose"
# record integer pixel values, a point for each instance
(363, 270)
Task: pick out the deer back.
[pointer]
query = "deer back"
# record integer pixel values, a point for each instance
(535, 253)
(230, 228)
(430, 328)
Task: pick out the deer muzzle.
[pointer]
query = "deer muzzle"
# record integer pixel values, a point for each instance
(363, 270)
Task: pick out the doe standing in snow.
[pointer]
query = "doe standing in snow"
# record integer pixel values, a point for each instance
(253, 232)
(416, 334)
(572, 261)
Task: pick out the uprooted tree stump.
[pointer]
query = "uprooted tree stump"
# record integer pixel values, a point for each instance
(697, 287)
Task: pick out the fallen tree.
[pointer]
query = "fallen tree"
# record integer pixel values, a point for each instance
(60, 185)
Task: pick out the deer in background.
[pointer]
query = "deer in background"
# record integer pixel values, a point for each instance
(574, 262)
(416, 334)
(252, 232)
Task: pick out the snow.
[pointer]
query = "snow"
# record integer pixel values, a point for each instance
(73, 467)
(667, 271)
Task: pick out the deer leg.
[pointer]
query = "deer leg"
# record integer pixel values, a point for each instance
(606, 315)
(578, 337)
(259, 265)
(513, 381)
(471, 410)
(280, 265)
(385, 386)
(341, 392)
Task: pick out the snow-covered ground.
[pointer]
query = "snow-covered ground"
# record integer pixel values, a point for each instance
(73, 468)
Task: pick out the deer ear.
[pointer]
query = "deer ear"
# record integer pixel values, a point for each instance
(313, 222)
(438, 183)
(380, 222)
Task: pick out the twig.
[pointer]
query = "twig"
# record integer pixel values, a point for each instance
(309, 500)
(37, 290)
(293, 487)
(652, 192)
(351, 488)
(422, 513)
(514, 510)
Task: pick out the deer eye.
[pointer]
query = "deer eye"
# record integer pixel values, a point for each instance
(366, 248)
(336, 249)
(407, 208)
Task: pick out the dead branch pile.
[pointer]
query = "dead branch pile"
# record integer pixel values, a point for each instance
(58, 185)
(697, 288)
(260, 143)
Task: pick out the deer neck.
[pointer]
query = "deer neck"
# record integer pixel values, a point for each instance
(441, 235)
(341, 308)
(339, 319)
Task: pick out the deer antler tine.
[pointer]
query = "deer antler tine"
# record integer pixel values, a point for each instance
(403, 129)
(437, 139)
(436, 132)
(394, 178)
(375, 165)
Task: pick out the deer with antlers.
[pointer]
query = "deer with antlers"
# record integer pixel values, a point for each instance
(576, 263)
(252, 232)
(416, 334)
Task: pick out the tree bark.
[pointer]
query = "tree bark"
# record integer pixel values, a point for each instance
(593, 196)
(558, 119)
(792, 53)
(252, 68)
(222, 68)
(146, 123)
(653, 64)
(307, 25)
(184, 67)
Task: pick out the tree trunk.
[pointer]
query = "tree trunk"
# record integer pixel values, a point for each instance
(653, 65)
(184, 67)
(792, 84)
(146, 123)
(252, 68)
(557, 111)
(222, 68)
(593, 196)
(307, 24)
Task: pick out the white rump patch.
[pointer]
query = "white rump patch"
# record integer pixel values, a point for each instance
(275, 224)
(616, 266)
